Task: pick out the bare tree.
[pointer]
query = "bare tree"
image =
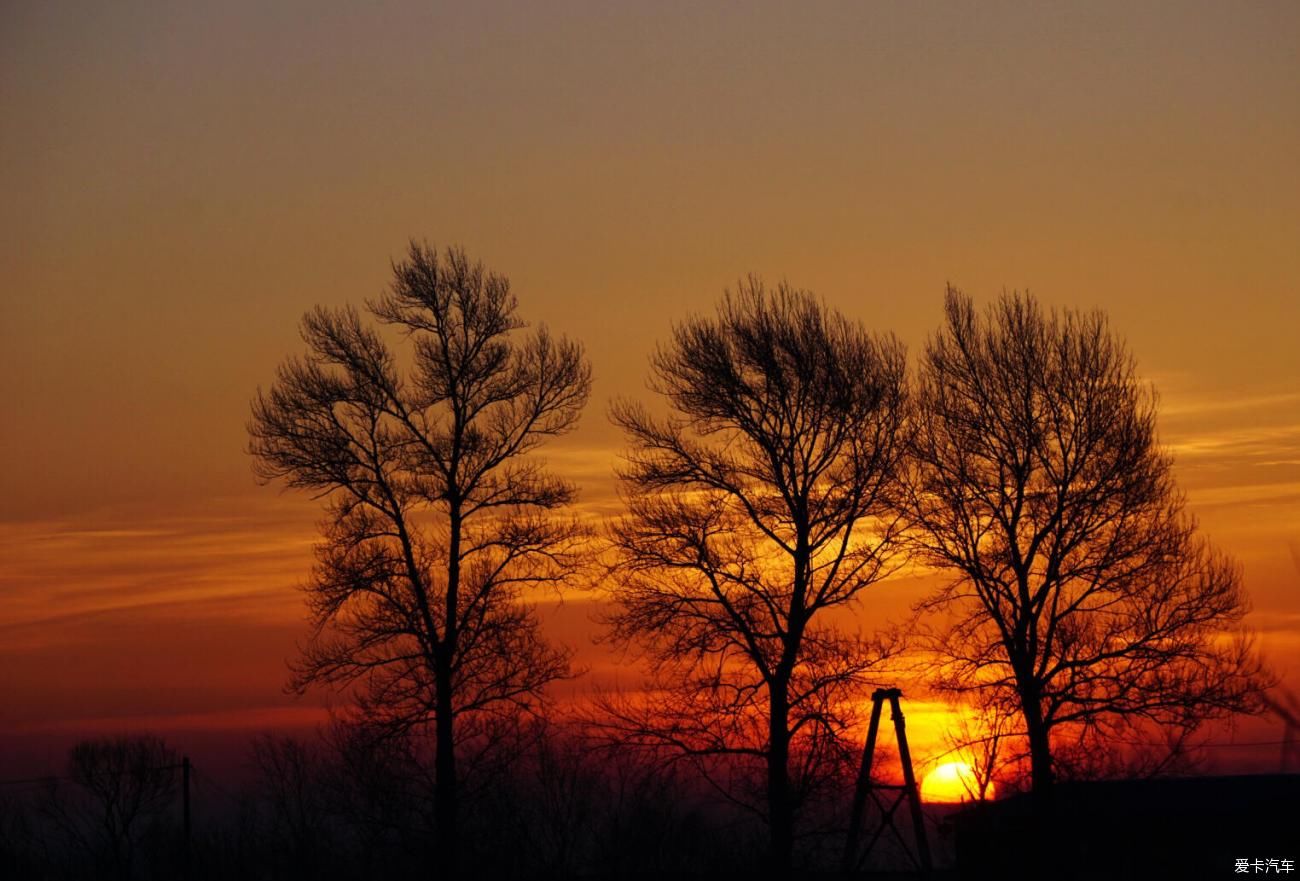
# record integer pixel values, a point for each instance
(757, 506)
(291, 775)
(438, 517)
(979, 740)
(1083, 596)
(124, 788)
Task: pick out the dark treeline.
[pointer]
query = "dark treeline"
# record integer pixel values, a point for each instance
(540, 801)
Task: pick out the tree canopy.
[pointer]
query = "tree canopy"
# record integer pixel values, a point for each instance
(759, 502)
(1083, 595)
(437, 517)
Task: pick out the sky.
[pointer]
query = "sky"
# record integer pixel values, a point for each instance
(183, 181)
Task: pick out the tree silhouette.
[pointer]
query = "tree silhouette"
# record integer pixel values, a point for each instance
(437, 517)
(124, 789)
(1083, 596)
(755, 507)
(291, 775)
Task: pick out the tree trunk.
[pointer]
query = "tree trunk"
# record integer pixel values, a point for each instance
(445, 791)
(445, 786)
(1042, 828)
(1040, 748)
(779, 800)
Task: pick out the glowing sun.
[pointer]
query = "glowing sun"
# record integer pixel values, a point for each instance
(951, 782)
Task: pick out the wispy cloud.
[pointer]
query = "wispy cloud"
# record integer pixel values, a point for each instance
(1191, 405)
(142, 613)
(61, 569)
(1234, 451)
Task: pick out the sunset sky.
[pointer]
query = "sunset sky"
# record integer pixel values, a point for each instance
(182, 181)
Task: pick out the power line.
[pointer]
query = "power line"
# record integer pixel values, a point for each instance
(57, 778)
(35, 780)
(207, 780)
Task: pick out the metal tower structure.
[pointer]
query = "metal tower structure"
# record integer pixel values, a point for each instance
(866, 788)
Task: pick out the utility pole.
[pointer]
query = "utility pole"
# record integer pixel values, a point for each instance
(865, 788)
(185, 814)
